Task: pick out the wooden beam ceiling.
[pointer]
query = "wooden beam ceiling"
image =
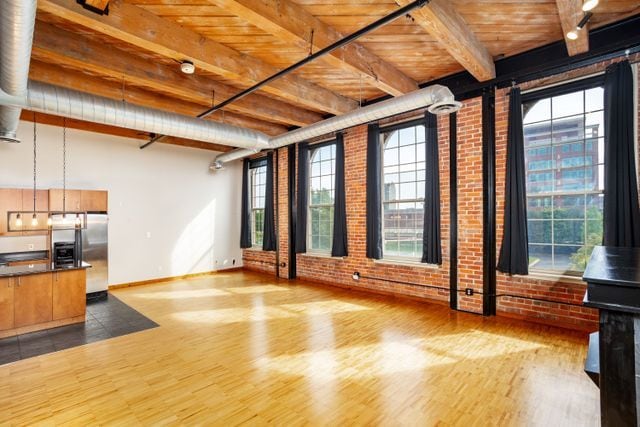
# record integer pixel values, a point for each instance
(292, 23)
(52, 74)
(444, 23)
(54, 45)
(570, 12)
(97, 4)
(143, 29)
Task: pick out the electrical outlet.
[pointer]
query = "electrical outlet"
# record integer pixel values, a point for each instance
(148, 234)
(468, 291)
(30, 246)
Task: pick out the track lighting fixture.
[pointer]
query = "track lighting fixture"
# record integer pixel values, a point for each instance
(588, 5)
(573, 34)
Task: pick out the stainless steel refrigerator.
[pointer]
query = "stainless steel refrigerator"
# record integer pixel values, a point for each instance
(95, 249)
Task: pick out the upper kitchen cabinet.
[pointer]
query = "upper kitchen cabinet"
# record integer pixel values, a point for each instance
(73, 200)
(93, 201)
(42, 205)
(10, 200)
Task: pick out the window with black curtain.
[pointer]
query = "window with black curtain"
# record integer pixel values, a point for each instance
(564, 148)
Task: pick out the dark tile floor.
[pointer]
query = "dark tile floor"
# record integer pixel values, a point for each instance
(106, 318)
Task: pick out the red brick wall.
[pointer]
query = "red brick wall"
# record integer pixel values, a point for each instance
(382, 277)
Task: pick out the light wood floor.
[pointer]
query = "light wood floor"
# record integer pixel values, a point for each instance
(241, 348)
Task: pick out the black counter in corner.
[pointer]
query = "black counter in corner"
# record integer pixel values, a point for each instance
(613, 361)
(25, 270)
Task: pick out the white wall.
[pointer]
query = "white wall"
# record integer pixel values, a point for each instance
(168, 215)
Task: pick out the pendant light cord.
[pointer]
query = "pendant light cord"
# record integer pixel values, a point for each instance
(64, 165)
(35, 139)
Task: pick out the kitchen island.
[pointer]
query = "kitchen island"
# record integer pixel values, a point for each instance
(41, 296)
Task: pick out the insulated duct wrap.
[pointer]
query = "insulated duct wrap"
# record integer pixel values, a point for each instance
(437, 98)
(17, 20)
(58, 101)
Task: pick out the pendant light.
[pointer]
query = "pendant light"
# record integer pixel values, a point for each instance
(64, 170)
(34, 217)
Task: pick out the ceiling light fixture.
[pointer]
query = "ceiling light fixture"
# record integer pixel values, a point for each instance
(588, 5)
(573, 34)
(187, 67)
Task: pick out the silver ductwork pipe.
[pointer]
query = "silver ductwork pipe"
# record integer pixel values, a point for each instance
(63, 102)
(17, 20)
(437, 98)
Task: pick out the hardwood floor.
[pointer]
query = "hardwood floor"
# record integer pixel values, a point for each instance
(242, 348)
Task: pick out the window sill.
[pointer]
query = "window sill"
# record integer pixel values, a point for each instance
(321, 255)
(552, 277)
(254, 248)
(406, 263)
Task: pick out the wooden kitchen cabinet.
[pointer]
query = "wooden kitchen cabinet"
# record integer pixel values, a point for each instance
(42, 204)
(93, 201)
(33, 299)
(69, 294)
(10, 200)
(73, 200)
(6, 303)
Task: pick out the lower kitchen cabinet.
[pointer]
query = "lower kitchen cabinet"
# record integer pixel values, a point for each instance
(33, 299)
(6, 303)
(69, 294)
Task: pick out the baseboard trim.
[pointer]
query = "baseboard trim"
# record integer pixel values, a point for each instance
(171, 278)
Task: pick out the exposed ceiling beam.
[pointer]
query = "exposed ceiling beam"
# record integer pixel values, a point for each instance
(444, 23)
(97, 4)
(143, 29)
(54, 45)
(293, 24)
(570, 12)
(47, 119)
(52, 74)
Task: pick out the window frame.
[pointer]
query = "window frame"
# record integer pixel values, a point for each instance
(396, 127)
(310, 206)
(254, 165)
(581, 85)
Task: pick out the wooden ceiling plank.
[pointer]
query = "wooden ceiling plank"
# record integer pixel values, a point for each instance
(143, 29)
(54, 45)
(570, 12)
(445, 24)
(293, 24)
(55, 75)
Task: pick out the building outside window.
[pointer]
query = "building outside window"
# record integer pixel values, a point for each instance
(403, 191)
(321, 198)
(564, 163)
(258, 188)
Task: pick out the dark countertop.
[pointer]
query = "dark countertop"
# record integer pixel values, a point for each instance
(614, 266)
(25, 270)
(23, 256)
(613, 279)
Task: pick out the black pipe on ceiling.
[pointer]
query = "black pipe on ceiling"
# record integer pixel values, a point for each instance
(322, 52)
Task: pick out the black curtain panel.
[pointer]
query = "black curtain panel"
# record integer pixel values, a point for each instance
(245, 214)
(514, 252)
(301, 209)
(339, 246)
(269, 242)
(431, 247)
(374, 192)
(621, 212)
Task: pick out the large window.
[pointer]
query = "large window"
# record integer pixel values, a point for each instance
(321, 197)
(564, 155)
(403, 191)
(258, 188)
